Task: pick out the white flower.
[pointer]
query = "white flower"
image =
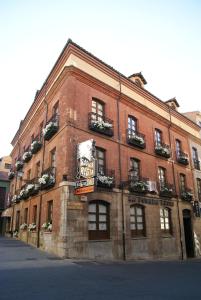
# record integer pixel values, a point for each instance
(32, 226)
(105, 179)
(18, 163)
(46, 179)
(23, 226)
(29, 187)
(137, 138)
(101, 124)
(47, 226)
(14, 199)
(49, 126)
(27, 155)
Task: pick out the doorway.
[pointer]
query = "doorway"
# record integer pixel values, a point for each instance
(188, 233)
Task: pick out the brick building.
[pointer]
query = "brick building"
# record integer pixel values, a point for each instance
(141, 205)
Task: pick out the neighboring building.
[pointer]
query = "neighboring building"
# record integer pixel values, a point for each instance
(195, 147)
(5, 165)
(141, 205)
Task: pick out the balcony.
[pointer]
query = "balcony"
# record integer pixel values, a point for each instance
(136, 139)
(32, 187)
(137, 184)
(26, 157)
(51, 127)
(36, 145)
(182, 158)
(47, 180)
(100, 124)
(19, 164)
(166, 190)
(187, 195)
(163, 150)
(106, 180)
(196, 164)
(11, 174)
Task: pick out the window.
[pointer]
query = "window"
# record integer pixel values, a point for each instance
(17, 221)
(178, 147)
(100, 158)
(137, 220)
(182, 180)
(49, 211)
(7, 166)
(34, 219)
(55, 110)
(97, 110)
(165, 220)
(158, 137)
(98, 220)
(199, 188)
(26, 215)
(38, 169)
(134, 169)
(29, 174)
(195, 158)
(41, 131)
(132, 125)
(162, 177)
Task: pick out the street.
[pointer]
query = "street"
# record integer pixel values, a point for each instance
(28, 273)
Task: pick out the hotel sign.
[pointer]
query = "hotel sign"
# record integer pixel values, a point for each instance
(85, 167)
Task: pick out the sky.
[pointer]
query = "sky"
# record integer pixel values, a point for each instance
(159, 38)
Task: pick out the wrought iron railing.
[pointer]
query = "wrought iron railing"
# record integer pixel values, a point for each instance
(136, 138)
(196, 163)
(100, 124)
(137, 184)
(163, 150)
(106, 179)
(182, 157)
(166, 189)
(186, 194)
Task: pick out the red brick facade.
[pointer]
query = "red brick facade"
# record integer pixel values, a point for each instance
(68, 93)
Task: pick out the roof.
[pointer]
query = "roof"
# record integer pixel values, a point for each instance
(139, 75)
(173, 100)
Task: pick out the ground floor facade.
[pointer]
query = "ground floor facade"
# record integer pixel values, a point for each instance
(106, 225)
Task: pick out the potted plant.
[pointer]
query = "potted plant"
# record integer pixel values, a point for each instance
(32, 189)
(50, 129)
(11, 175)
(23, 226)
(138, 186)
(32, 227)
(27, 156)
(102, 127)
(105, 181)
(166, 192)
(46, 181)
(163, 151)
(47, 226)
(19, 165)
(35, 146)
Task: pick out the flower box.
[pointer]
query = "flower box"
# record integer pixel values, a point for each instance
(35, 146)
(166, 192)
(27, 156)
(105, 181)
(163, 151)
(187, 196)
(32, 227)
(183, 160)
(50, 129)
(101, 126)
(19, 165)
(23, 194)
(32, 189)
(11, 175)
(23, 226)
(138, 186)
(137, 141)
(47, 226)
(46, 181)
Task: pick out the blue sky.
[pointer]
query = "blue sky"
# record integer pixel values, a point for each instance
(159, 38)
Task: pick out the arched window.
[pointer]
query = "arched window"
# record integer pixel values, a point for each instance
(165, 220)
(98, 220)
(137, 220)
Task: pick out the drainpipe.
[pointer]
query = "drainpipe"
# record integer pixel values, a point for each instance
(174, 179)
(120, 171)
(42, 169)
